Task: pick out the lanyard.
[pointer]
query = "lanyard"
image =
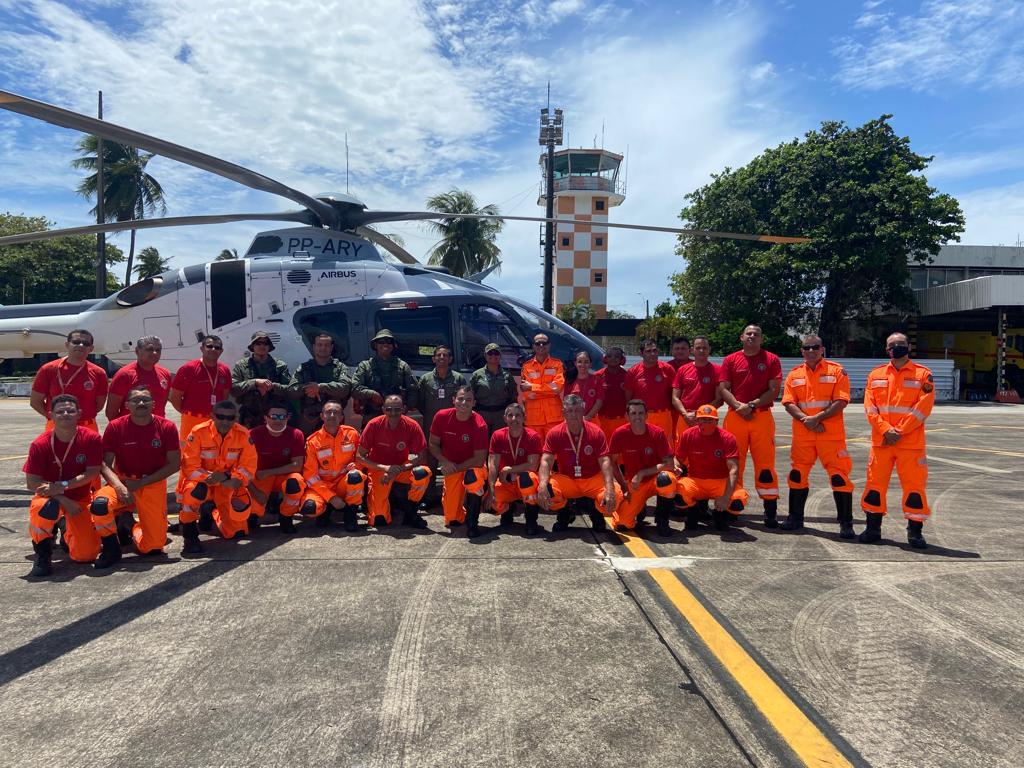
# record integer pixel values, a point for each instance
(60, 379)
(515, 448)
(577, 445)
(212, 379)
(53, 447)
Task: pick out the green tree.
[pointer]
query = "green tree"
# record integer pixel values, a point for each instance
(62, 269)
(580, 315)
(861, 196)
(151, 263)
(228, 254)
(662, 328)
(129, 192)
(467, 245)
(618, 314)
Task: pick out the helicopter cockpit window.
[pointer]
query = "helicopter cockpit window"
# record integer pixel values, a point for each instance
(417, 332)
(333, 322)
(482, 324)
(565, 340)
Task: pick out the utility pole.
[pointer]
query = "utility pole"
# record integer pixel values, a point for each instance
(101, 237)
(550, 137)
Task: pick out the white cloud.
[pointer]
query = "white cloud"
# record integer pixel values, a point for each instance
(966, 165)
(995, 215)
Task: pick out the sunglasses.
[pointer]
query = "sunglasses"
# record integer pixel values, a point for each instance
(212, 346)
(141, 400)
(493, 353)
(224, 416)
(65, 413)
(541, 343)
(278, 416)
(809, 347)
(80, 343)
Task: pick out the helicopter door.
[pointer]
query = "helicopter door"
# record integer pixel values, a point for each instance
(228, 298)
(417, 329)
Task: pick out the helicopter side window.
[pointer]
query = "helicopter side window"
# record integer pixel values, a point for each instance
(227, 292)
(333, 322)
(482, 324)
(417, 332)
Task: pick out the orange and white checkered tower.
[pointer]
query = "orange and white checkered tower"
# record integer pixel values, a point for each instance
(586, 185)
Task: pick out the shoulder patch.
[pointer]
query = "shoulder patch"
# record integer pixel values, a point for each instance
(930, 378)
(926, 388)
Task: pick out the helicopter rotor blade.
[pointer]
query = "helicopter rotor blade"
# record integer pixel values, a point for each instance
(387, 244)
(302, 217)
(68, 119)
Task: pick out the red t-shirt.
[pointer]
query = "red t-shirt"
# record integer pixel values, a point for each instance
(749, 376)
(53, 460)
(592, 445)
(697, 386)
(529, 444)
(275, 451)
(589, 389)
(652, 384)
(613, 392)
(86, 382)
(459, 439)
(158, 380)
(639, 451)
(140, 450)
(392, 446)
(705, 457)
(202, 387)
(677, 364)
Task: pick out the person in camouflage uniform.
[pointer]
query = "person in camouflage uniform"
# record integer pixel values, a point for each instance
(382, 375)
(319, 379)
(494, 388)
(436, 392)
(255, 378)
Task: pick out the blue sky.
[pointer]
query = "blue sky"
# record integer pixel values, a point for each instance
(441, 94)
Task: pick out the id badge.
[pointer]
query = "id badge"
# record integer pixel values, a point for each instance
(213, 399)
(577, 471)
(440, 393)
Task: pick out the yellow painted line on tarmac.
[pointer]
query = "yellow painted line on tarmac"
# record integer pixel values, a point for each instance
(1015, 454)
(12, 458)
(987, 426)
(800, 733)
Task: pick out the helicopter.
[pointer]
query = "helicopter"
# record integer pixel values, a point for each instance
(326, 275)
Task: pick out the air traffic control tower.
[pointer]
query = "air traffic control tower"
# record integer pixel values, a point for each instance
(586, 185)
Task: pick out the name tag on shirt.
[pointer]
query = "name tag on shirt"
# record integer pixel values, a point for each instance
(324, 452)
(577, 471)
(440, 393)
(827, 379)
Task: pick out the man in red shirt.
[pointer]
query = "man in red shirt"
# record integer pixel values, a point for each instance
(651, 381)
(584, 469)
(144, 370)
(514, 456)
(696, 384)
(711, 459)
(59, 470)
(612, 388)
(280, 452)
(642, 450)
(749, 383)
(140, 451)
(72, 375)
(391, 448)
(458, 440)
(680, 351)
(199, 384)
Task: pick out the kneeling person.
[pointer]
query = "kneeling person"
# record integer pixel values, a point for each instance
(280, 452)
(512, 468)
(643, 450)
(711, 457)
(458, 440)
(333, 481)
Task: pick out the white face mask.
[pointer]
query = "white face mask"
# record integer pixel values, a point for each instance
(277, 427)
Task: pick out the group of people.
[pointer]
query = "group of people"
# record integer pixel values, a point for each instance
(257, 437)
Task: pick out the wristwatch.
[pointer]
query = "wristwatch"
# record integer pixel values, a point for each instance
(64, 484)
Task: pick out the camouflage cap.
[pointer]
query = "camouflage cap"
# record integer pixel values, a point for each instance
(383, 335)
(492, 347)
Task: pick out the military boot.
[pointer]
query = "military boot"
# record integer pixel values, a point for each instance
(915, 534)
(797, 501)
(506, 519)
(532, 526)
(873, 530)
(661, 513)
(285, 523)
(562, 520)
(844, 513)
(41, 566)
(597, 520)
(472, 505)
(190, 534)
(205, 523)
(349, 519)
(409, 515)
(771, 511)
(110, 553)
(692, 518)
(723, 519)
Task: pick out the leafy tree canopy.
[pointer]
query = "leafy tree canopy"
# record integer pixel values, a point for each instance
(580, 315)
(467, 246)
(150, 263)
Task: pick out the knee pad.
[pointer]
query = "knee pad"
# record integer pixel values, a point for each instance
(838, 481)
(474, 481)
(240, 505)
(308, 507)
(291, 485)
(200, 492)
(794, 476)
(736, 505)
(914, 501)
(765, 476)
(663, 480)
(420, 473)
(99, 507)
(873, 498)
(525, 481)
(50, 510)
(355, 477)
(469, 476)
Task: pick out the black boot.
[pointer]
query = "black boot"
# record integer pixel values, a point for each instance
(661, 513)
(915, 534)
(125, 523)
(692, 519)
(409, 515)
(348, 517)
(797, 501)
(771, 510)
(532, 526)
(723, 520)
(254, 523)
(41, 565)
(380, 521)
(472, 504)
(205, 523)
(110, 554)
(597, 521)
(190, 534)
(873, 531)
(844, 513)
(505, 521)
(323, 520)
(286, 524)
(562, 520)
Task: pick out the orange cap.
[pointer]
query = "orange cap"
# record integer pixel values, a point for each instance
(707, 412)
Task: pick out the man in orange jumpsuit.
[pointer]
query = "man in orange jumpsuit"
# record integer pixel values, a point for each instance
(332, 477)
(72, 375)
(60, 468)
(612, 388)
(750, 380)
(458, 440)
(218, 462)
(140, 451)
(650, 380)
(391, 448)
(815, 394)
(712, 462)
(514, 456)
(584, 470)
(898, 399)
(542, 379)
(200, 383)
(280, 453)
(642, 450)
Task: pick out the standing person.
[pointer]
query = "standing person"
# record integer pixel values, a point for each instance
(696, 384)
(612, 413)
(61, 465)
(436, 391)
(217, 464)
(257, 377)
(712, 460)
(494, 388)
(749, 382)
(650, 380)
(458, 440)
(200, 383)
(512, 463)
(280, 453)
(542, 379)
(72, 375)
(898, 399)
(815, 395)
(587, 385)
(321, 378)
(584, 469)
(145, 370)
(645, 458)
(334, 482)
(140, 451)
(391, 448)
(381, 375)
(679, 348)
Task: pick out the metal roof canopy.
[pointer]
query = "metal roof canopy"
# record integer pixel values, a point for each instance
(976, 293)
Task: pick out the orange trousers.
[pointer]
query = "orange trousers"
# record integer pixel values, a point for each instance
(377, 502)
(609, 425)
(190, 420)
(290, 486)
(628, 508)
(350, 490)
(757, 436)
(694, 489)
(456, 486)
(82, 533)
(912, 470)
(522, 488)
(833, 457)
(150, 532)
(231, 506)
(663, 419)
(566, 488)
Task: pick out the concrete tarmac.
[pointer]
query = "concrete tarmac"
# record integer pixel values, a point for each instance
(397, 648)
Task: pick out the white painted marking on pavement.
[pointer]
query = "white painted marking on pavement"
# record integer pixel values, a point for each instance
(625, 564)
(978, 467)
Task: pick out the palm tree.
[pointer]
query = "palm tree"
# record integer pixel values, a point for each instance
(228, 254)
(151, 263)
(129, 192)
(467, 245)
